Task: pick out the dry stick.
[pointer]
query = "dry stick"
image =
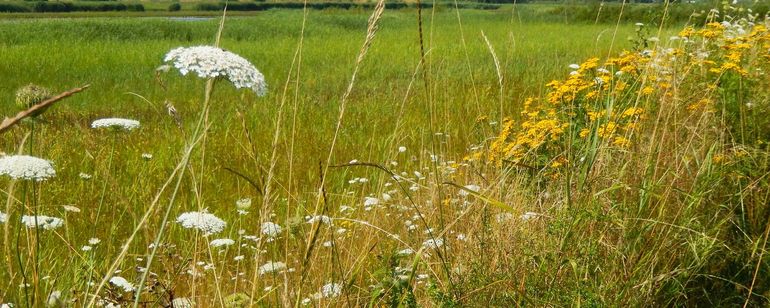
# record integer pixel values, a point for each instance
(10, 122)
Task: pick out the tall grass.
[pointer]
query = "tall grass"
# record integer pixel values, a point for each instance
(676, 217)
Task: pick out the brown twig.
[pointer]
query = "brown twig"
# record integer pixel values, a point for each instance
(10, 122)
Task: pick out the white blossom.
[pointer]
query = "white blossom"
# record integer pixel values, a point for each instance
(433, 243)
(118, 123)
(213, 62)
(331, 290)
(272, 267)
(221, 242)
(24, 167)
(270, 229)
(203, 221)
(122, 283)
(3, 217)
(45, 222)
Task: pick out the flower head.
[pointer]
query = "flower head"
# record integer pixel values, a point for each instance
(118, 123)
(272, 267)
(331, 290)
(3, 217)
(221, 242)
(203, 221)
(213, 62)
(122, 283)
(271, 229)
(45, 222)
(31, 94)
(23, 167)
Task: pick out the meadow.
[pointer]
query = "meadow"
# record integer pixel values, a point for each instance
(489, 159)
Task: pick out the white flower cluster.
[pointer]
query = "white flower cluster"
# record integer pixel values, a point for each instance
(221, 242)
(204, 222)
(271, 229)
(331, 290)
(24, 167)
(118, 123)
(272, 267)
(122, 283)
(213, 62)
(45, 222)
(3, 217)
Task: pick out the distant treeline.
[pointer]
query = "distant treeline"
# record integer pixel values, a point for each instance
(261, 6)
(104, 6)
(60, 6)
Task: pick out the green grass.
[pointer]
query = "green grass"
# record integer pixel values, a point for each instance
(610, 244)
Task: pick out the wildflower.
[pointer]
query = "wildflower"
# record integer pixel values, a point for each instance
(85, 176)
(182, 302)
(94, 241)
(45, 222)
(24, 167)
(639, 24)
(528, 215)
(122, 283)
(146, 156)
(71, 208)
(271, 229)
(471, 187)
(213, 62)
(574, 66)
(371, 201)
(3, 217)
(243, 204)
(221, 242)
(272, 267)
(86, 248)
(203, 221)
(54, 300)
(322, 218)
(401, 149)
(116, 123)
(405, 252)
(30, 95)
(331, 290)
(433, 243)
(238, 258)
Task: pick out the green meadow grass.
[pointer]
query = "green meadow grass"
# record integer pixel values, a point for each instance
(453, 102)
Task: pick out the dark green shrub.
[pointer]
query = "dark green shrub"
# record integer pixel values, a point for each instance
(174, 7)
(13, 8)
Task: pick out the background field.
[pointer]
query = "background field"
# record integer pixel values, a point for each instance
(583, 252)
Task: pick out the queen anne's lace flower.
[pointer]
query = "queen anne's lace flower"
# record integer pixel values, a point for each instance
(331, 290)
(271, 229)
(221, 242)
(205, 222)
(122, 283)
(271, 267)
(119, 123)
(45, 222)
(24, 167)
(213, 62)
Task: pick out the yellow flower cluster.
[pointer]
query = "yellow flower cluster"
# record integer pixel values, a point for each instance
(603, 102)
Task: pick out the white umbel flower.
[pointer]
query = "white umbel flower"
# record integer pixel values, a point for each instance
(213, 62)
(45, 222)
(272, 267)
(205, 222)
(3, 217)
(221, 242)
(122, 283)
(126, 124)
(25, 167)
(331, 290)
(271, 229)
